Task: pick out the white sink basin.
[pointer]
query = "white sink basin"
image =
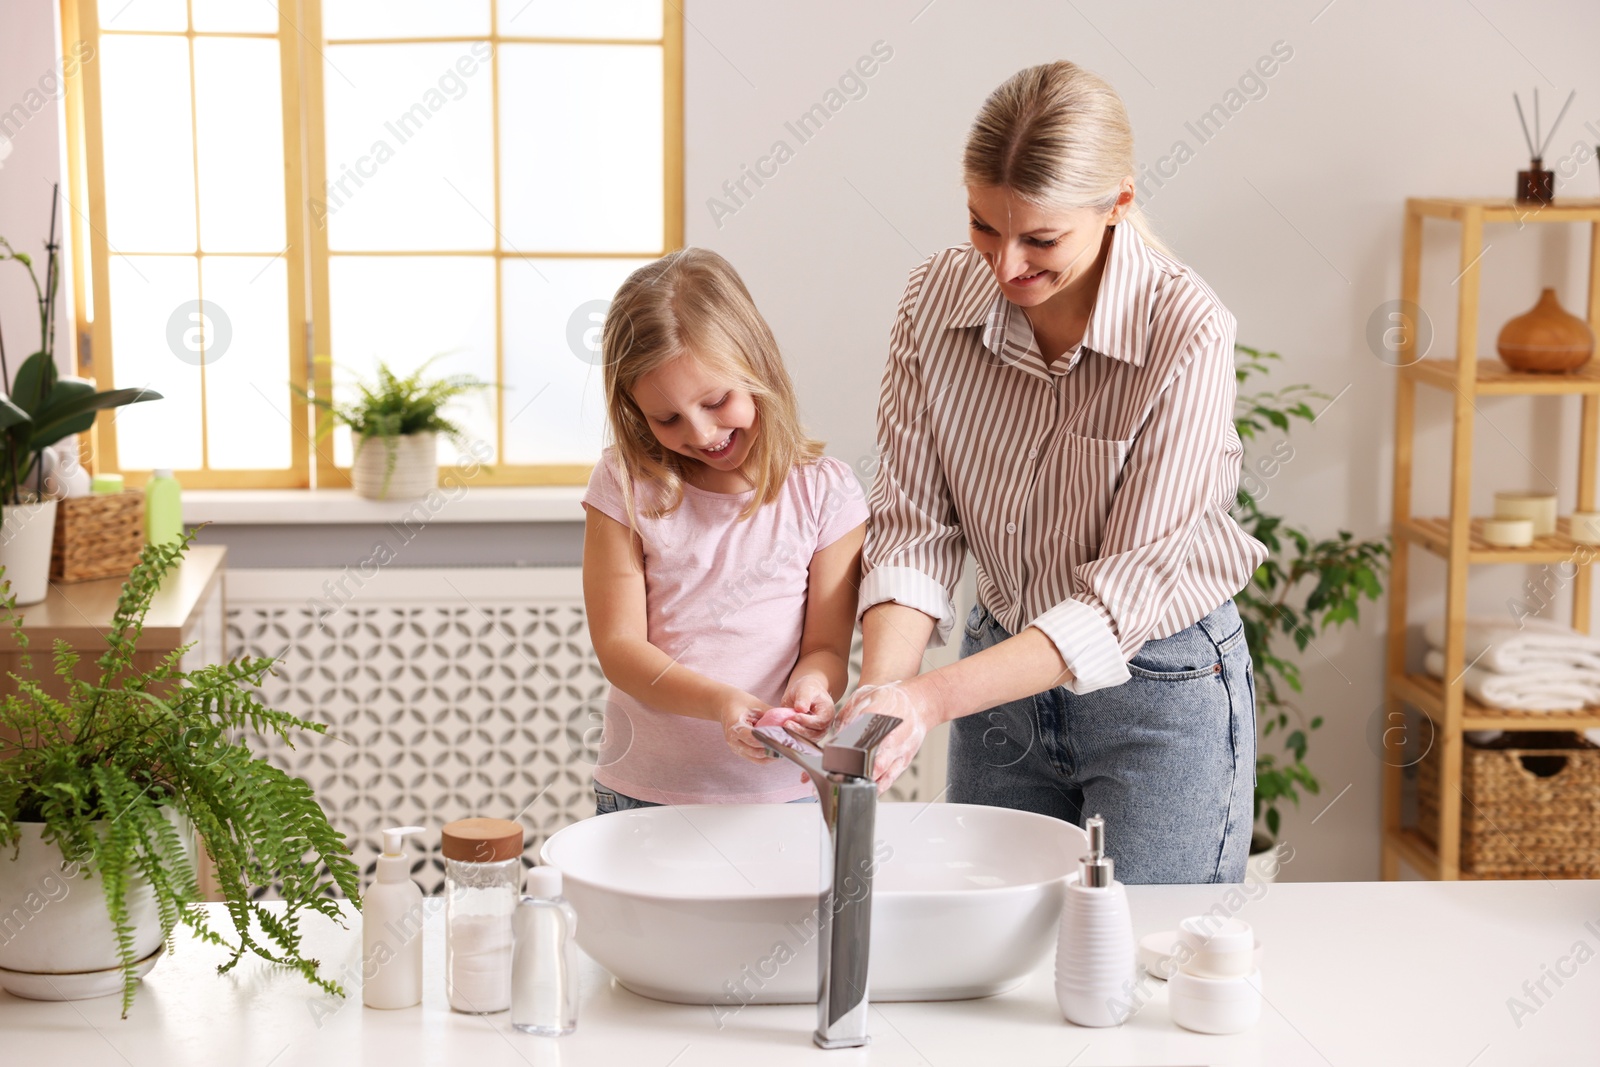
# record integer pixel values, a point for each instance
(716, 904)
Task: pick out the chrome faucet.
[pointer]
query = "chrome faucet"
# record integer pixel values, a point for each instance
(842, 772)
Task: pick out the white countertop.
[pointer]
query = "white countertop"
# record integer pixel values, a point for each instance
(1358, 973)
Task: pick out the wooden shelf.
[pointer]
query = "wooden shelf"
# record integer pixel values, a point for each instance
(1418, 852)
(1433, 533)
(1496, 379)
(1564, 209)
(1426, 693)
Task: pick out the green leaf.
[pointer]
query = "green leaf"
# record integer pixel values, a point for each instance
(72, 406)
(33, 382)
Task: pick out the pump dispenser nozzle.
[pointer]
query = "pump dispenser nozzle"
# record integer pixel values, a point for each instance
(392, 865)
(1095, 869)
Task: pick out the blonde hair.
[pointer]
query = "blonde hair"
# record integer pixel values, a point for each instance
(692, 303)
(1058, 136)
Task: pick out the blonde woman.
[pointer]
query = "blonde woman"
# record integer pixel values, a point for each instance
(721, 548)
(1058, 401)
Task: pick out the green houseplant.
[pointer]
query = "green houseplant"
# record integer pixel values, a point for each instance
(1305, 587)
(114, 774)
(403, 414)
(43, 408)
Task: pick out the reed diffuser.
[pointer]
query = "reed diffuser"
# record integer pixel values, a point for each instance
(1537, 185)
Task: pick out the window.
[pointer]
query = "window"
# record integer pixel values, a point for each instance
(401, 180)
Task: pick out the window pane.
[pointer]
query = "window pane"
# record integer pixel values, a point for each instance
(563, 18)
(585, 176)
(236, 16)
(144, 15)
(555, 395)
(247, 361)
(148, 145)
(405, 18)
(157, 339)
(239, 115)
(410, 153)
(406, 309)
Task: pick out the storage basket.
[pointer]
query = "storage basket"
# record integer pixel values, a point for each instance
(1530, 806)
(97, 536)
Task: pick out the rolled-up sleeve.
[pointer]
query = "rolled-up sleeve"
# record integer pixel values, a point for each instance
(915, 547)
(1175, 484)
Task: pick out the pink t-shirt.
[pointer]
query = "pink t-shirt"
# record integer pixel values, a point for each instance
(727, 599)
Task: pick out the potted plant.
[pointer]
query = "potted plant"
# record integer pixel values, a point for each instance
(42, 409)
(1304, 588)
(101, 791)
(396, 422)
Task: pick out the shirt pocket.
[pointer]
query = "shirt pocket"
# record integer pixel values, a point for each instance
(1090, 470)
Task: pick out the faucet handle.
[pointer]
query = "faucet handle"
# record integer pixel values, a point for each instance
(853, 748)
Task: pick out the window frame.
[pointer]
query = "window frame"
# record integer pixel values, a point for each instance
(308, 259)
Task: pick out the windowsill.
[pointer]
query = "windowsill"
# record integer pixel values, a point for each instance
(313, 507)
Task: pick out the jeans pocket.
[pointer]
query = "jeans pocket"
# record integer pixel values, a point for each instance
(605, 801)
(974, 623)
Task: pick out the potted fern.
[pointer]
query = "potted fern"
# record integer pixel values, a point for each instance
(1305, 587)
(397, 422)
(103, 790)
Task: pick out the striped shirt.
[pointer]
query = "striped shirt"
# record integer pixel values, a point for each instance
(1094, 492)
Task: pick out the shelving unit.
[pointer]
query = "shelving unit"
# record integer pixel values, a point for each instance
(1455, 537)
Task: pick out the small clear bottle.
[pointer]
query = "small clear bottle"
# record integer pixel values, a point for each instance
(544, 968)
(482, 872)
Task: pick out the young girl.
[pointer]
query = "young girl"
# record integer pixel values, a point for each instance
(721, 549)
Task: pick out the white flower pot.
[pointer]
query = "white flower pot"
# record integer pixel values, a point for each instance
(415, 470)
(1262, 867)
(26, 533)
(56, 940)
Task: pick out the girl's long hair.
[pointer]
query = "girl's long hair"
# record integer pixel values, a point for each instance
(692, 304)
(1058, 136)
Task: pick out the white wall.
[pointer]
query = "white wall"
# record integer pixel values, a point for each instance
(29, 74)
(1292, 214)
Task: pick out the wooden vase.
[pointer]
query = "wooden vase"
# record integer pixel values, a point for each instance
(1546, 340)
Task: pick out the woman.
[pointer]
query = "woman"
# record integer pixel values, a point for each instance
(1059, 399)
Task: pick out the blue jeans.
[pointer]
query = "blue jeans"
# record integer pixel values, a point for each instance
(1168, 757)
(608, 800)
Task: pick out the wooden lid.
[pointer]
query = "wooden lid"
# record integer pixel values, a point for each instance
(482, 840)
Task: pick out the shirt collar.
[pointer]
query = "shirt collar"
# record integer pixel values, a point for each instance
(1119, 325)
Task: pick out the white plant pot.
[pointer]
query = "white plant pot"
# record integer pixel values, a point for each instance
(26, 533)
(56, 940)
(1262, 867)
(414, 474)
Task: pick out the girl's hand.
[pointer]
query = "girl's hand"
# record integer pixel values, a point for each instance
(808, 694)
(738, 727)
(906, 702)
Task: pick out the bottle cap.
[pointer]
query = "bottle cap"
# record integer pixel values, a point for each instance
(482, 840)
(543, 882)
(161, 472)
(1095, 869)
(105, 484)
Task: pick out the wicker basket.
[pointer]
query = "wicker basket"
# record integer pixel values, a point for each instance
(1530, 806)
(97, 536)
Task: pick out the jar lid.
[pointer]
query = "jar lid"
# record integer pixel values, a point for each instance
(1245, 988)
(1206, 933)
(482, 840)
(1156, 952)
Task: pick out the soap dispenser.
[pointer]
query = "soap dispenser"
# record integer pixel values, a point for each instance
(1095, 954)
(391, 929)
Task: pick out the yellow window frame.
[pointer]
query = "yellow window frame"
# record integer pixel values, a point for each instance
(307, 261)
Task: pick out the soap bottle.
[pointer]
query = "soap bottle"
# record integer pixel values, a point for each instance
(391, 929)
(1095, 954)
(544, 976)
(163, 508)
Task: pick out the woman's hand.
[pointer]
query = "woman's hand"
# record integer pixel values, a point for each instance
(907, 701)
(808, 694)
(739, 716)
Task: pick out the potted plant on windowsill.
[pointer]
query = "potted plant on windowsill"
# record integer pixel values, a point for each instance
(1306, 587)
(396, 422)
(42, 409)
(102, 792)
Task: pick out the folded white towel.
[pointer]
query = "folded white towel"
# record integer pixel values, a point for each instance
(1547, 689)
(1501, 643)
